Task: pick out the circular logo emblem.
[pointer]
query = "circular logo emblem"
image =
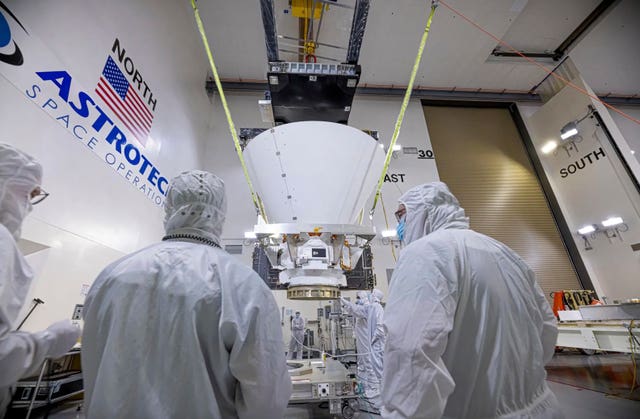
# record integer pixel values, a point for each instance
(14, 58)
(5, 32)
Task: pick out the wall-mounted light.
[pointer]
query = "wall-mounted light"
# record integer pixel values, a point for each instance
(549, 147)
(569, 136)
(612, 221)
(588, 229)
(569, 133)
(584, 233)
(390, 237)
(569, 130)
(611, 228)
(394, 151)
(388, 233)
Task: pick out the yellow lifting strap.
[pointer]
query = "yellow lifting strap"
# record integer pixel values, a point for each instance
(256, 200)
(386, 221)
(403, 108)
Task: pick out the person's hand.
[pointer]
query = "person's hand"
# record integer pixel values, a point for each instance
(61, 337)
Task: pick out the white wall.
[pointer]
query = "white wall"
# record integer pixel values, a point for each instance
(94, 215)
(600, 190)
(374, 113)
(630, 130)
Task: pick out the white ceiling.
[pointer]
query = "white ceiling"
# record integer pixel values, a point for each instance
(609, 56)
(457, 54)
(558, 18)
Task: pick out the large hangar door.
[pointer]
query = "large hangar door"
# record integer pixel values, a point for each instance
(480, 155)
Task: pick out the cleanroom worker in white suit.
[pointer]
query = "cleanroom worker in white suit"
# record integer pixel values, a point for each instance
(469, 330)
(21, 353)
(376, 335)
(358, 310)
(297, 336)
(181, 329)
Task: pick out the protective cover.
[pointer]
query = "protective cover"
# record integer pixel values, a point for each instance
(314, 172)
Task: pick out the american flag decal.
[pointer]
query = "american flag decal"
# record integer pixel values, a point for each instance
(121, 97)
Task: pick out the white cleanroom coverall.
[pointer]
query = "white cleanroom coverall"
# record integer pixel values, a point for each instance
(297, 337)
(361, 330)
(376, 336)
(469, 330)
(181, 329)
(21, 353)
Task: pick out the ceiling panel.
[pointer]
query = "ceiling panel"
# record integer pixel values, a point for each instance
(236, 35)
(544, 24)
(456, 53)
(609, 55)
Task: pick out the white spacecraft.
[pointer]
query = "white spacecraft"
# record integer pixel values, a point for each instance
(314, 191)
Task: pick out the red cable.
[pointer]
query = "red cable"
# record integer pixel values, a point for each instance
(546, 69)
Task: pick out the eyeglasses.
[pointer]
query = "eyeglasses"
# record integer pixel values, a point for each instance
(400, 213)
(38, 195)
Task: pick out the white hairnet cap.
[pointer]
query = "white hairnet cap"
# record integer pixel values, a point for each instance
(431, 207)
(20, 174)
(196, 204)
(377, 294)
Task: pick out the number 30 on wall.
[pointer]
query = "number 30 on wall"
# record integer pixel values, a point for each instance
(425, 154)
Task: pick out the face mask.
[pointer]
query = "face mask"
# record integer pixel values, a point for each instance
(400, 230)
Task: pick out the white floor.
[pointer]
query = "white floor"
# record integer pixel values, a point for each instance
(586, 404)
(576, 404)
